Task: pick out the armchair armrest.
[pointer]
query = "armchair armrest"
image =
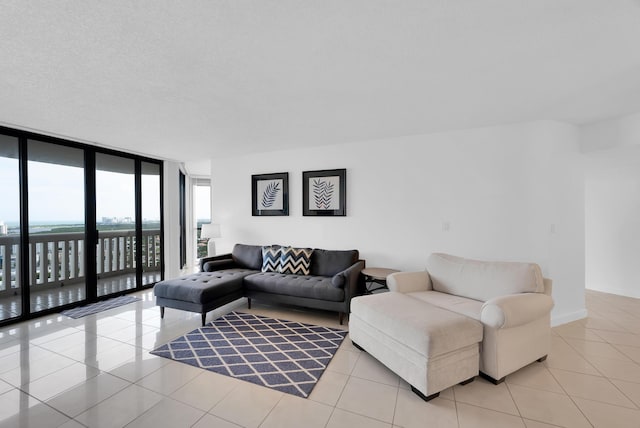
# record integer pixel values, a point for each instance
(407, 282)
(211, 264)
(515, 309)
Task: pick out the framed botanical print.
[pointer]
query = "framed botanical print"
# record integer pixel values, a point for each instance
(324, 193)
(270, 194)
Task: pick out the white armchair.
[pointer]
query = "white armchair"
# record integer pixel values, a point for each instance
(511, 300)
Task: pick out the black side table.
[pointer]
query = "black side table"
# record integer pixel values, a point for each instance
(376, 275)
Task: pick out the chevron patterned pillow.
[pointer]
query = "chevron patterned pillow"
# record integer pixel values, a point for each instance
(271, 258)
(296, 260)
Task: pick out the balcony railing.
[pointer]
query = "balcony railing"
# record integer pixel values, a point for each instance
(57, 259)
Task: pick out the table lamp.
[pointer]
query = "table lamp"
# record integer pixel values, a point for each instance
(210, 231)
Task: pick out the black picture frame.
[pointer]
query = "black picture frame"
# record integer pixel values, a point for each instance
(324, 193)
(270, 194)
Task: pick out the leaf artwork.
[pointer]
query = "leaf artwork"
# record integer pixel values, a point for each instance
(270, 194)
(322, 194)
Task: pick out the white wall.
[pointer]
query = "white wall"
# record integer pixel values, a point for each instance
(508, 193)
(615, 133)
(171, 218)
(612, 205)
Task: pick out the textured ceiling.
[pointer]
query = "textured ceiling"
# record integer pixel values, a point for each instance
(191, 80)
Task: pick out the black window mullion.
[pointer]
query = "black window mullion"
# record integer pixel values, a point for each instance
(24, 228)
(139, 243)
(91, 230)
(161, 178)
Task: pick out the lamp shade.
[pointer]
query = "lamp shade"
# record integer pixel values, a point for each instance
(211, 230)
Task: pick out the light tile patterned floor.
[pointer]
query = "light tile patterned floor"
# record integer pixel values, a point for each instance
(97, 371)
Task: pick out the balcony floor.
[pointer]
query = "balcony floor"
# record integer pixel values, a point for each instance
(53, 297)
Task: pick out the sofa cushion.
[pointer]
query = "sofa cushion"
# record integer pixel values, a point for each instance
(271, 258)
(312, 287)
(482, 280)
(202, 287)
(330, 262)
(247, 256)
(295, 261)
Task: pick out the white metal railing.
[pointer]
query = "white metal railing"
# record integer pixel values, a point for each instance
(56, 259)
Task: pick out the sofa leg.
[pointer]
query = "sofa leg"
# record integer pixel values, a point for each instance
(161, 311)
(541, 359)
(492, 380)
(424, 397)
(357, 346)
(204, 318)
(465, 382)
(248, 302)
(340, 317)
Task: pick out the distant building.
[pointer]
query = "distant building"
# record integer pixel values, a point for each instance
(4, 229)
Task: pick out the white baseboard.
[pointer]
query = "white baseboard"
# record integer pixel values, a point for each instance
(617, 291)
(565, 318)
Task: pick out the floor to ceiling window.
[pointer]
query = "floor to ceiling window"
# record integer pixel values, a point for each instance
(56, 225)
(10, 302)
(77, 224)
(151, 238)
(116, 224)
(201, 213)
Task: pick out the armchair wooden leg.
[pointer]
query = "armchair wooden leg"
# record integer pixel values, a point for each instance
(468, 381)
(204, 318)
(340, 317)
(357, 346)
(492, 380)
(161, 311)
(248, 302)
(424, 397)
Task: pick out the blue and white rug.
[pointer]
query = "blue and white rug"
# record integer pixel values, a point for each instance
(283, 355)
(94, 308)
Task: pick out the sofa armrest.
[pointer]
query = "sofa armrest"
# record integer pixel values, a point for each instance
(408, 282)
(223, 261)
(515, 309)
(351, 277)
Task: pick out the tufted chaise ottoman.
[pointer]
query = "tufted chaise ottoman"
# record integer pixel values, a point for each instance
(429, 347)
(201, 292)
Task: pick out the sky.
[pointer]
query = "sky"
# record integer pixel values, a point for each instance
(202, 202)
(56, 193)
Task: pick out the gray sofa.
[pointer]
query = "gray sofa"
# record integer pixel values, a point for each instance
(334, 279)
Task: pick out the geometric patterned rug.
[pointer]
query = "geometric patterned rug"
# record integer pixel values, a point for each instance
(94, 308)
(283, 355)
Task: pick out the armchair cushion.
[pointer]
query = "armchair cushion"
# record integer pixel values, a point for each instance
(480, 280)
(409, 282)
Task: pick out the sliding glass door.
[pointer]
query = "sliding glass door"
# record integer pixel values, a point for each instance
(116, 224)
(78, 223)
(10, 291)
(151, 237)
(57, 233)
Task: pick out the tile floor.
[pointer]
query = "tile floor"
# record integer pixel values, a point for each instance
(97, 372)
(52, 297)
